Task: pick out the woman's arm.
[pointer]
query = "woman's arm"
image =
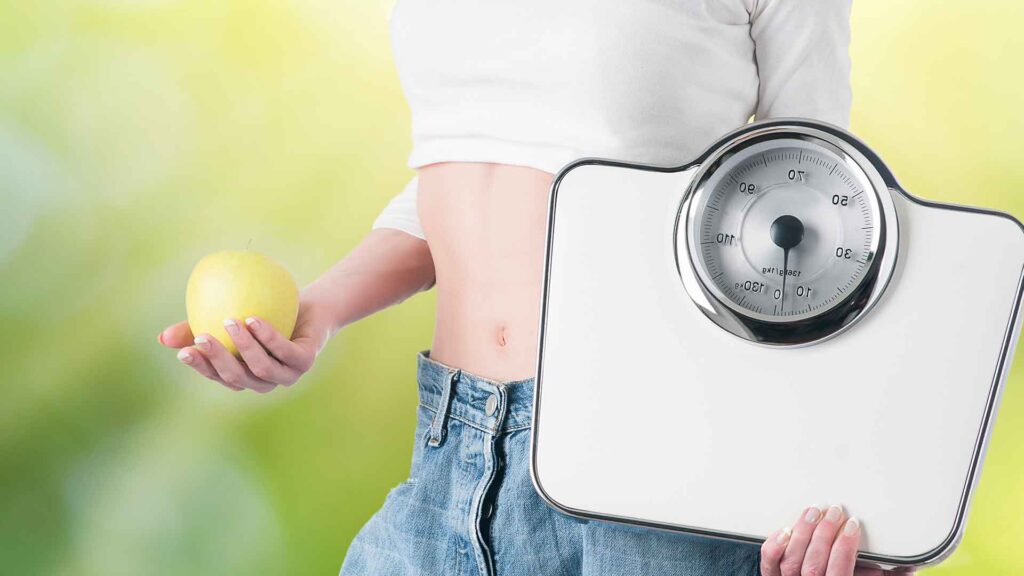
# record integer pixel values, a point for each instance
(385, 268)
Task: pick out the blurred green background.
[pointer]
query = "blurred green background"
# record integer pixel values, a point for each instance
(137, 136)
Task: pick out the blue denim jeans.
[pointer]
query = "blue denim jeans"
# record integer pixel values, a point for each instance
(469, 507)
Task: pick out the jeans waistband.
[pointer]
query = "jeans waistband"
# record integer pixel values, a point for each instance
(488, 405)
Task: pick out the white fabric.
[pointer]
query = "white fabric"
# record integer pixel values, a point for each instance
(400, 213)
(543, 82)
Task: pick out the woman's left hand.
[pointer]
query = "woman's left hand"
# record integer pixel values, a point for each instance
(819, 544)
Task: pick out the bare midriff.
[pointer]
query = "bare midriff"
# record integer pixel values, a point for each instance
(485, 224)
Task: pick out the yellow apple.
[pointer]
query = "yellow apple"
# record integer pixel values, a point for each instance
(240, 284)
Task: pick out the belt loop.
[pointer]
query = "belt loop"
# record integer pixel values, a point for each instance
(437, 425)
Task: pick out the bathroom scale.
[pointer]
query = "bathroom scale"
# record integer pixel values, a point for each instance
(774, 325)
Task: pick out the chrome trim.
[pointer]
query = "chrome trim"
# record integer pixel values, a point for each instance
(931, 557)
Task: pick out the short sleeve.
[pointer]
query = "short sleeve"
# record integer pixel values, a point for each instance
(400, 213)
(802, 48)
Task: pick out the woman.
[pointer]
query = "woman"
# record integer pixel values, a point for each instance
(502, 95)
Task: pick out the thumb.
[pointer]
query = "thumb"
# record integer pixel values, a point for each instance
(176, 335)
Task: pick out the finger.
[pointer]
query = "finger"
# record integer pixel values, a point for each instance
(191, 357)
(820, 547)
(771, 552)
(176, 335)
(843, 558)
(793, 557)
(230, 370)
(295, 355)
(260, 364)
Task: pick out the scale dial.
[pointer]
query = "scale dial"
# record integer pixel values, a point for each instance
(785, 232)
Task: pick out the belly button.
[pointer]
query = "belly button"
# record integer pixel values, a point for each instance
(502, 340)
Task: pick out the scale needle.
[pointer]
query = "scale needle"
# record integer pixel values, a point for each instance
(786, 231)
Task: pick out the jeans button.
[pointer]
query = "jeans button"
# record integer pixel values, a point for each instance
(492, 405)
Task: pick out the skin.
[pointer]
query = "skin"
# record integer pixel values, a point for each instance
(387, 267)
(485, 225)
(820, 543)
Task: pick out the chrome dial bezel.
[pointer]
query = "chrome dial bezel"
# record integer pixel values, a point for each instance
(766, 329)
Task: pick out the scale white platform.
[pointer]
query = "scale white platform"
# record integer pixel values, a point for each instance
(649, 413)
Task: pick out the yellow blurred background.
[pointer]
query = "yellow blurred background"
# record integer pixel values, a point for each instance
(138, 135)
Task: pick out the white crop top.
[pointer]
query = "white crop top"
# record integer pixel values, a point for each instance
(540, 83)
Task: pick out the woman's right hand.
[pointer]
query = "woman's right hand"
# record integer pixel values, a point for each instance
(820, 543)
(268, 359)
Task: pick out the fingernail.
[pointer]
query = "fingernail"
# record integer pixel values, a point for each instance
(835, 512)
(252, 323)
(185, 356)
(231, 326)
(813, 515)
(784, 535)
(852, 527)
(160, 337)
(202, 343)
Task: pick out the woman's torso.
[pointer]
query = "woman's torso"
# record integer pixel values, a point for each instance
(505, 93)
(485, 224)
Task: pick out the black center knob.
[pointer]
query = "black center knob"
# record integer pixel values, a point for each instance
(787, 231)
